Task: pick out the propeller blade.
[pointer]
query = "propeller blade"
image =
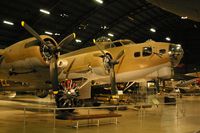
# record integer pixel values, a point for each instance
(67, 39)
(54, 73)
(69, 68)
(113, 80)
(32, 32)
(120, 54)
(112, 63)
(94, 41)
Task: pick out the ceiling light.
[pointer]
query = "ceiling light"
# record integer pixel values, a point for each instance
(153, 30)
(104, 27)
(64, 15)
(178, 46)
(168, 39)
(49, 33)
(130, 18)
(110, 34)
(78, 40)
(8, 22)
(83, 26)
(57, 34)
(99, 1)
(184, 17)
(44, 11)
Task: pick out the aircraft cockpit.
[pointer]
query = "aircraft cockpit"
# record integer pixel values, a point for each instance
(118, 43)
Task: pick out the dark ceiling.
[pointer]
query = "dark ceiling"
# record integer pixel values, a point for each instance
(129, 19)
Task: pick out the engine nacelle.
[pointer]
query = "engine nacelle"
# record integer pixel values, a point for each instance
(83, 63)
(99, 63)
(28, 54)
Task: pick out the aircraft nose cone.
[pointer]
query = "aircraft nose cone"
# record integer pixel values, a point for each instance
(176, 53)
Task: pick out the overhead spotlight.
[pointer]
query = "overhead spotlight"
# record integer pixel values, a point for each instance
(168, 39)
(184, 17)
(178, 46)
(99, 1)
(64, 15)
(110, 34)
(104, 27)
(44, 11)
(78, 40)
(130, 18)
(8, 22)
(48, 33)
(57, 34)
(153, 30)
(83, 26)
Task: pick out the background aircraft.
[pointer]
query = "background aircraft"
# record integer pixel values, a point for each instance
(37, 63)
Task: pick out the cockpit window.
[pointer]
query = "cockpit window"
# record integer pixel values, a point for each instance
(116, 44)
(125, 42)
(107, 46)
(147, 51)
(112, 45)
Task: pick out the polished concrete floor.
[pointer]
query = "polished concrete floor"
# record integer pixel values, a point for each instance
(184, 117)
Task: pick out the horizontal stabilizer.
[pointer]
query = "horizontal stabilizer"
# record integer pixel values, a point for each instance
(1, 51)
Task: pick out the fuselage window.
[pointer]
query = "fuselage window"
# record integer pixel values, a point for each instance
(137, 54)
(147, 51)
(162, 51)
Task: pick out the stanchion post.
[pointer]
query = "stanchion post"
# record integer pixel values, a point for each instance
(54, 118)
(24, 117)
(88, 115)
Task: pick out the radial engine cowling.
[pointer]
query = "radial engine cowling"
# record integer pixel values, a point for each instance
(100, 66)
(29, 53)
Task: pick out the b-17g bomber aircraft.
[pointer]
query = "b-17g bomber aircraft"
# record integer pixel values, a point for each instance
(36, 62)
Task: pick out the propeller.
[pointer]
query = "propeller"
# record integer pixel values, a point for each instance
(33, 32)
(111, 63)
(53, 50)
(67, 39)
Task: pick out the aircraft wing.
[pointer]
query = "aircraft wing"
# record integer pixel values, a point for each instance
(1, 51)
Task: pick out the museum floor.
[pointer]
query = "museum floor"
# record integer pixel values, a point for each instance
(184, 117)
